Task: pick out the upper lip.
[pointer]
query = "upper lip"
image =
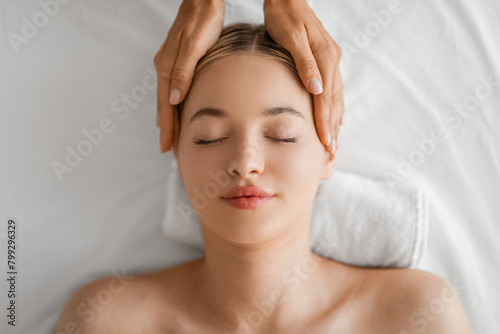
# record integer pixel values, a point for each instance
(247, 191)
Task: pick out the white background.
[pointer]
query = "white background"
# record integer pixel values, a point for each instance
(105, 215)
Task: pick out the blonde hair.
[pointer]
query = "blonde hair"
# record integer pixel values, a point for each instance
(242, 38)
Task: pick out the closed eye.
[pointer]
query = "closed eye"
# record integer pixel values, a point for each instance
(276, 140)
(286, 140)
(207, 142)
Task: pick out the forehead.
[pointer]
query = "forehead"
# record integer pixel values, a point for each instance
(247, 83)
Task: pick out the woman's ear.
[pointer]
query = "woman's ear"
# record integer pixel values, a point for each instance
(329, 164)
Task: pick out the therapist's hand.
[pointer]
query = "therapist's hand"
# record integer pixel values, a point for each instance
(293, 25)
(195, 30)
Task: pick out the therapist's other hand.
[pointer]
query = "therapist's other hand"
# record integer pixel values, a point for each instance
(195, 30)
(293, 25)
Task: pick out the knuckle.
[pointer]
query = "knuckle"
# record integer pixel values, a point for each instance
(163, 76)
(333, 52)
(180, 74)
(328, 97)
(161, 66)
(192, 45)
(316, 45)
(156, 60)
(307, 63)
(338, 50)
(337, 98)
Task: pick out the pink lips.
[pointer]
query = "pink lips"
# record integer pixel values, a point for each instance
(250, 197)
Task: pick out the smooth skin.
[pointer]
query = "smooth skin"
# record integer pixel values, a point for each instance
(291, 23)
(258, 274)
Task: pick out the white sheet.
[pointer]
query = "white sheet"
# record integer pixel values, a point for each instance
(105, 214)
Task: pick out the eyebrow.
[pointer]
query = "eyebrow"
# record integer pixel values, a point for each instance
(219, 113)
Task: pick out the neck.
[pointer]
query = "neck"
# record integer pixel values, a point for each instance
(259, 284)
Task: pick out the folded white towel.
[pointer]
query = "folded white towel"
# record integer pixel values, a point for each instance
(355, 220)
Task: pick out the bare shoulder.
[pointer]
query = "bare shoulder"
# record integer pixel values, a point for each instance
(118, 304)
(415, 301)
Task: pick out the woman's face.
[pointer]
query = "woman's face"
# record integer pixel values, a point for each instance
(246, 151)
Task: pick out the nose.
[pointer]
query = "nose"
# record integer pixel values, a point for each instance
(247, 161)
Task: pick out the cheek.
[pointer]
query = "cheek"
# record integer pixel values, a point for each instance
(197, 170)
(297, 169)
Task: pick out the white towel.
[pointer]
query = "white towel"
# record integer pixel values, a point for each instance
(355, 220)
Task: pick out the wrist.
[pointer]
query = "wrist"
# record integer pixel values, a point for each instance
(207, 2)
(217, 2)
(268, 3)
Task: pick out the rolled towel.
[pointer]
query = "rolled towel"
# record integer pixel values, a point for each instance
(355, 220)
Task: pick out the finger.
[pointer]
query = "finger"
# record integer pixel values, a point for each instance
(167, 131)
(166, 127)
(306, 65)
(310, 74)
(337, 108)
(338, 101)
(165, 64)
(156, 60)
(323, 103)
(180, 79)
(182, 75)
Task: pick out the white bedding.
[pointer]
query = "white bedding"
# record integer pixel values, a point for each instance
(75, 73)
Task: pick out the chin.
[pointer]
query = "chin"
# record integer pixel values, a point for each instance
(250, 230)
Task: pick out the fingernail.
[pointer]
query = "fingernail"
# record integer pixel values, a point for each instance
(175, 96)
(315, 86)
(334, 146)
(339, 135)
(328, 139)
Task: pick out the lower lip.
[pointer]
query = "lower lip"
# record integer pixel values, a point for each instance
(247, 202)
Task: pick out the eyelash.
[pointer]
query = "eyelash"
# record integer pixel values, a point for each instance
(277, 140)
